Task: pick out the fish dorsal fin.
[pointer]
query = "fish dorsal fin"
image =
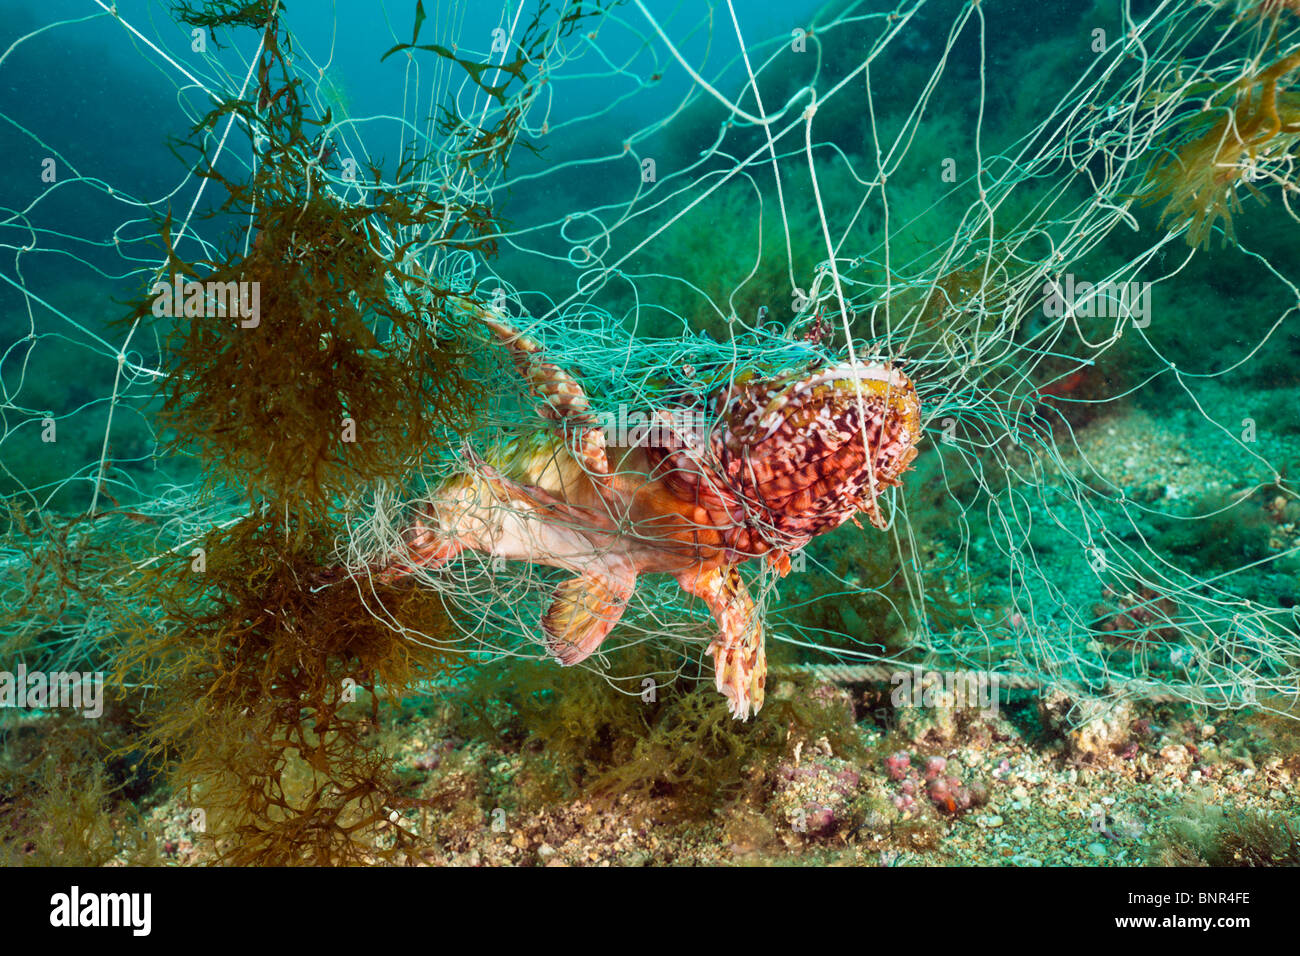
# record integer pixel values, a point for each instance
(563, 397)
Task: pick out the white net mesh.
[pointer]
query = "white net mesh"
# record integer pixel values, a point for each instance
(1106, 494)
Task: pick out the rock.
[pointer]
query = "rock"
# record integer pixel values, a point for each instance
(1090, 726)
(816, 798)
(1096, 849)
(835, 700)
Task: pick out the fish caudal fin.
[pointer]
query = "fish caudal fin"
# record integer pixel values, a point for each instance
(584, 611)
(423, 546)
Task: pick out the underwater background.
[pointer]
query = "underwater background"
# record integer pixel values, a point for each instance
(1071, 639)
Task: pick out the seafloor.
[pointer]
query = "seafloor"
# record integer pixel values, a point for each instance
(1145, 785)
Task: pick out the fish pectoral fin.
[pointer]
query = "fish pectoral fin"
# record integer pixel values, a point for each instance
(584, 611)
(739, 657)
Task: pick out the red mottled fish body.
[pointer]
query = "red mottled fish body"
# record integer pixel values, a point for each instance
(782, 460)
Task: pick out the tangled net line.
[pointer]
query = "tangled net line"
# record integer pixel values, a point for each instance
(642, 255)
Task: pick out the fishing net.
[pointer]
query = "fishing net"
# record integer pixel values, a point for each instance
(1076, 237)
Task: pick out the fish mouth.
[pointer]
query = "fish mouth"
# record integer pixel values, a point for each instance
(848, 372)
(844, 383)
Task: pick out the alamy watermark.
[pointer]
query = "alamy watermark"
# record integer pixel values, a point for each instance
(1066, 297)
(75, 908)
(662, 428)
(976, 690)
(51, 690)
(193, 299)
